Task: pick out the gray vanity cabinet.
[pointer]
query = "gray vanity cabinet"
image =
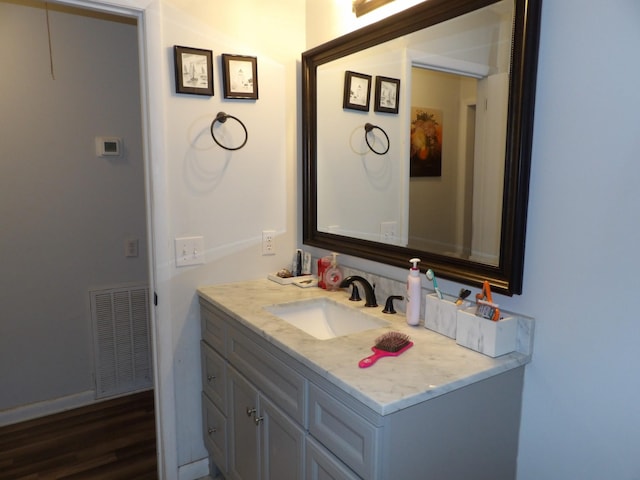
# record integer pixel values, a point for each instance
(268, 416)
(245, 394)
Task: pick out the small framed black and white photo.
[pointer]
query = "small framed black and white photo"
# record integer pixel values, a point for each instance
(194, 70)
(357, 90)
(387, 95)
(240, 76)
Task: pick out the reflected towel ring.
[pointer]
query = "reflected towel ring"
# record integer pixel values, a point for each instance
(222, 117)
(368, 128)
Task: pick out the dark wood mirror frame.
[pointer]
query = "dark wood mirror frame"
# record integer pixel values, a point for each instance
(506, 277)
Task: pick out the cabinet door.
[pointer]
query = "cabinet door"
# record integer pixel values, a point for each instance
(282, 444)
(322, 465)
(244, 448)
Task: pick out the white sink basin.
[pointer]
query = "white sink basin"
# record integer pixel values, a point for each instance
(323, 318)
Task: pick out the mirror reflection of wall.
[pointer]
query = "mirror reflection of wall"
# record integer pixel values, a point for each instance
(455, 197)
(440, 191)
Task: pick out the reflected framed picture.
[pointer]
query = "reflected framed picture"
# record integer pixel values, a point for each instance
(240, 76)
(426, 142)
(194, 70)
(387, 95)
(357, 90)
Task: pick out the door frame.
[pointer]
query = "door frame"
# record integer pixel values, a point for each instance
(148, 23)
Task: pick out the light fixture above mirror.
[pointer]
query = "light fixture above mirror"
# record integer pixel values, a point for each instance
(428, 19)
(360, 7)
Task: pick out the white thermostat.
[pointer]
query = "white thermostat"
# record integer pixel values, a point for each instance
(108, 146)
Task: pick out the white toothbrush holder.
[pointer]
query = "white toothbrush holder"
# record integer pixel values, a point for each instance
(492, 338)
(442, 315)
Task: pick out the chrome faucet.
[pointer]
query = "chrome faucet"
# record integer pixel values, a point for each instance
(369, 292)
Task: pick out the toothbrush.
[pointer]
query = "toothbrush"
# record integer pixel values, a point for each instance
(431, 276)
(464, 293)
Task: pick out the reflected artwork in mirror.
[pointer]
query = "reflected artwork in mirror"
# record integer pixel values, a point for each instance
(453, 188)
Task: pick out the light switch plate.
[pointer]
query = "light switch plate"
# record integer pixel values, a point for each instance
(131, 247)
(189, 251)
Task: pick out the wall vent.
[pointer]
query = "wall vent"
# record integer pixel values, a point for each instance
(122, 346)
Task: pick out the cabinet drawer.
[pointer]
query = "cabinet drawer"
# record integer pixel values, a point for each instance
(214, 376)
(321, 464)
(213, 328)
(350, 437)
(215, 433)
(284, 386)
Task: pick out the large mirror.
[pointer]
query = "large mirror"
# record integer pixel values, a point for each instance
(444, 173)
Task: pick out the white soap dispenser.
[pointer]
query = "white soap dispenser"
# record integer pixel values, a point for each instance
(413, 293)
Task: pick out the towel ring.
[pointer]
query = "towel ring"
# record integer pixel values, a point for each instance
(222, 117)
(368, 128)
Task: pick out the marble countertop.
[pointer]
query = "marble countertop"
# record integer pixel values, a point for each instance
(434, 365)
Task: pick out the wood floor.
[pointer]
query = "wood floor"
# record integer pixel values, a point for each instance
(109, 440)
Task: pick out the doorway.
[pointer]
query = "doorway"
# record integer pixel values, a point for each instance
(74, 219)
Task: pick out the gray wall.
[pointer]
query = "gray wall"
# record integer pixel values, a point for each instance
(64, 213)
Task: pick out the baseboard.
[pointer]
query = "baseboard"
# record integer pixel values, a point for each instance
(47, 407)
(194, 470)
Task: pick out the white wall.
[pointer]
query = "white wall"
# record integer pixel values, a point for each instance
(64, 212)
(229, 198)
(198, 188)
(580, 416)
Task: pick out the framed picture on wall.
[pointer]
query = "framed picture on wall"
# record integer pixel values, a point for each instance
(387, 95)
(194, 70)
(240, 76)
(357, 90)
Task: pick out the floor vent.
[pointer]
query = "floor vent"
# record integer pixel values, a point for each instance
(122, 346)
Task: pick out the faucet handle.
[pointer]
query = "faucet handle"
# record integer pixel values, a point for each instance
(388, 306)
(355, 293)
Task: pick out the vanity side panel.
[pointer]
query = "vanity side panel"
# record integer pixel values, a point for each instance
(467, 433)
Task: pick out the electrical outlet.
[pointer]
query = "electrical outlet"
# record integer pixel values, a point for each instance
(189, 251)
(268, 242)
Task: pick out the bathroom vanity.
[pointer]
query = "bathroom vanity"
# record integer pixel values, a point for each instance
(281, 404)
